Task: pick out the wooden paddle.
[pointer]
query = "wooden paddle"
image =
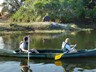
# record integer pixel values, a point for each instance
(58, 56)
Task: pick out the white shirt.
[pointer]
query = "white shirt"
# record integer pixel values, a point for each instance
(21, 45)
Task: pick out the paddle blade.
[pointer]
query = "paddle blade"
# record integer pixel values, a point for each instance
(58, 56)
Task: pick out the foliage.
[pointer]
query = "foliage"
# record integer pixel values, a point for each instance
(62, 10)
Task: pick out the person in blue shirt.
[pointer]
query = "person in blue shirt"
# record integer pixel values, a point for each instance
(67, 47)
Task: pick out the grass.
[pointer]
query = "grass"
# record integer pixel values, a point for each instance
(30, 32)
(25, 28)
(40, 27)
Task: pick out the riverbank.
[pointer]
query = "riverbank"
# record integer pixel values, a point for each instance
(27, 28)
(37, 27)
(30, 32)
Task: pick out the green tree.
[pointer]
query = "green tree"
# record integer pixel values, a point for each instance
(62, 10)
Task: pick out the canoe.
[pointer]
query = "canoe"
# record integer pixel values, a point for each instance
(49, 54)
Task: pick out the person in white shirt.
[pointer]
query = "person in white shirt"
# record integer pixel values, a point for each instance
(24, 46)
(67, 48)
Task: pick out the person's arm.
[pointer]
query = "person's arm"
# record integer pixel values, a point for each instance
(24, 50)
(68, 47)
(73, 45)
(63, 44)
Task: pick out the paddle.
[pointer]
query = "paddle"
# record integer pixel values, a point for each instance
(28, 48)
(58, 56)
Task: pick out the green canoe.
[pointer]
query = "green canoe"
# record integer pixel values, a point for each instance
(49, 54)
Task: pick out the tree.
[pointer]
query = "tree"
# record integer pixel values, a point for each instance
(62, 10)
(14, 5)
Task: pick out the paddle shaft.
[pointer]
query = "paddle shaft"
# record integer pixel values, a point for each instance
(74, 46)
(28, 48)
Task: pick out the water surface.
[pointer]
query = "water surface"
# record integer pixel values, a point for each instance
(83, 39)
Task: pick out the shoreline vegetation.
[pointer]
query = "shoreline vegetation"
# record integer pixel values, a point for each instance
(30, 16)
(38, 27)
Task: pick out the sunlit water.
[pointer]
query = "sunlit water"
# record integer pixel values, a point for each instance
(84, 40)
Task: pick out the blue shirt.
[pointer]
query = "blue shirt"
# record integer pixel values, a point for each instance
(66, 47)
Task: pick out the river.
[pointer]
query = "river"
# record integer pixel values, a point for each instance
(83, 39)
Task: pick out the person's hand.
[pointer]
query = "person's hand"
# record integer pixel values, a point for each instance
(26, 51)
(75, 45)
(29, 52)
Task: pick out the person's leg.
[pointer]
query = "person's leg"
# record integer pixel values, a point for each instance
(73, 50)
(34, 50)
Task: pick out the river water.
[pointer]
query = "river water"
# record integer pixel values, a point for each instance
(83, 39)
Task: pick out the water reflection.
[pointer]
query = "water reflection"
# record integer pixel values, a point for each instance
(66, 65)
(48, 65)
(84, 40)
(24, 66)
(77, 67)
(39, 67)
(1, 43)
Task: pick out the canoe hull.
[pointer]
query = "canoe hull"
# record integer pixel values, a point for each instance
(50, 54)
